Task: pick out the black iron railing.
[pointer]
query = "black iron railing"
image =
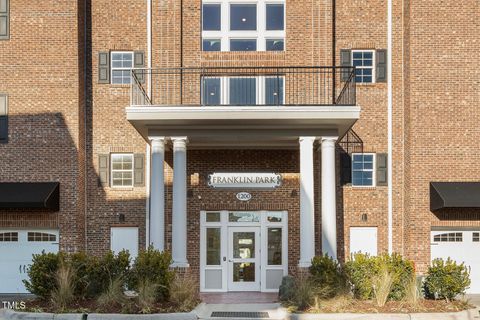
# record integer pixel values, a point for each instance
(242, 86)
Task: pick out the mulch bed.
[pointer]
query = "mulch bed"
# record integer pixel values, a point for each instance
(348, 305)
(91, 306)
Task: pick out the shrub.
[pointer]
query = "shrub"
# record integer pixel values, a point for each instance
(42, 274)
(327, 277)
(304, 293)
(287, 289)
(184, 292)
(446, 279)
(361, 270)
(104, 270)
(413, 291)
(152, 265)
(62, 295)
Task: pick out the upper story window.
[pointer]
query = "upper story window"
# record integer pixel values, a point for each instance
(364, 62)
(363, 173)
(4, 19)
(231, 25)
(122, 170)
(122, 65)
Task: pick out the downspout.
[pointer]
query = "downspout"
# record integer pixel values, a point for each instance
(148, 151)
(390, 124)
(334, 43)
(85, 115)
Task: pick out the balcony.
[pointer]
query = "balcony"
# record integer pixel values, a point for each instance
(272, 105)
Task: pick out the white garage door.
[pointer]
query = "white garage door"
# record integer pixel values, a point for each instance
(16, 249)
(461, 246)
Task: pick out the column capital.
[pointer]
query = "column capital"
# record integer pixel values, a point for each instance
(179, 141)
(328, 139)
(307, 139)
(157, 140)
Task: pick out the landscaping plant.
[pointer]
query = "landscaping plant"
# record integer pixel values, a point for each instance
(146, 296)
(446, 279)
(103, 271)
(113, 295)
(327, 277)
(184, 292)
(154, 266)
(382, 285)
(63, 294)
(42, 274)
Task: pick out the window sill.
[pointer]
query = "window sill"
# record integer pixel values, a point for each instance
(121, 188)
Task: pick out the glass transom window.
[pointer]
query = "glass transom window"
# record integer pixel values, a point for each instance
(122, 64)
(122, 170)
(363, 169)
(229, 25)
(363, 61)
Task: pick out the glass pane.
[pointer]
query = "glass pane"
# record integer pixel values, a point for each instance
(211, 17)
(243, 245)
(213, 217)
(243, 216)
(243, 45)
(213, 246)
(243, 91)
(211, 45)
(275, 45)
(274, 246)
(275, 17)
(244, 272)
(274, 91)
(274, 217)
(243, 17)
(211, 91)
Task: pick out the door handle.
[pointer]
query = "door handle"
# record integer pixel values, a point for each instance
(23, 268)
(224, 258)
(20, 268)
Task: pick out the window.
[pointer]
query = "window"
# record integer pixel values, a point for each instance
(211, 44)
(229, 25)
(122, 64)
(213, 246)
(9, 237)
(244, 216)
(448, 237)
(212, 217)
(362, 169)
(246, 91)
(363, 61)
(274, 246)
(122, 170)
(476, 237)
(3, 118)
(40, 237)
(4, 20)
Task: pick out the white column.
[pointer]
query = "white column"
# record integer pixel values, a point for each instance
(179, 206)
(157, 195)
(307, 208)
(329, 209)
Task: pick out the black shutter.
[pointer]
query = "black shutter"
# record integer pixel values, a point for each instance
(381, 66)
(345, 61)
(103, 170)
(4, 20)
(345, 168)
(103, 67)
(3, 118)
(382, 177)
(139, 62)
(139, 170)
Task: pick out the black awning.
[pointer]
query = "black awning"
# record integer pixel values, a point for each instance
(30, 195)
(454, 195)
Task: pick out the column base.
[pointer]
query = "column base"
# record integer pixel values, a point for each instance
(180, 265)
(304, 264)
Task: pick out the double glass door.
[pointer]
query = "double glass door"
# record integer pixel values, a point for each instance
(244, 258)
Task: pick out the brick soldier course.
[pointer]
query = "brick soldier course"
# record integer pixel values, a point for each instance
(62, 119)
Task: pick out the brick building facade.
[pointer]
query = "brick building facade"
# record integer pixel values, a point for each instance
(74, 115)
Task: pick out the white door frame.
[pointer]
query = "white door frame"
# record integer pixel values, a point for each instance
(223, 224)
(244, 286)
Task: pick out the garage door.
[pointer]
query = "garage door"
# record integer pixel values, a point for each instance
(16, 249)
(461, 246)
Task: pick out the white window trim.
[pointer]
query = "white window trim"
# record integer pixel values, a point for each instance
(362, 67)
(374, 170)
(117, 170)
(261, 34)
(260, 89)
(120, 69)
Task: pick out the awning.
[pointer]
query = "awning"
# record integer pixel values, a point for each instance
(454, 195)
(30, 195)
